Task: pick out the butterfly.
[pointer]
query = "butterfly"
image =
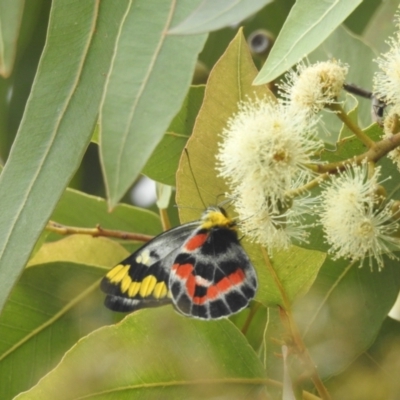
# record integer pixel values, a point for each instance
(200, 267)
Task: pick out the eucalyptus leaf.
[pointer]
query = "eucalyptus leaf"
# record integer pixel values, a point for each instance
(342, 313)
(145, 86)
(211, 15)
(54, 132)
(137, 360)
(52, 306)
(307, 26)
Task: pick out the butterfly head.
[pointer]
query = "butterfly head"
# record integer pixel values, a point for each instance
(215, 216)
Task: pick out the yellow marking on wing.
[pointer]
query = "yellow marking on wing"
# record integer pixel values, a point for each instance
(147, 285)
(160, 290)
(114, 271)
(133, 288)
(125, 283)
(118, 275)
(139, 259)
(169, 294)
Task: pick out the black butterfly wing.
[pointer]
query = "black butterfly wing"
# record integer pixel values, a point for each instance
(142, 279)
(212, 276)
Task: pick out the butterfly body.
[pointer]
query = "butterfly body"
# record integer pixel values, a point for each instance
(200, 267)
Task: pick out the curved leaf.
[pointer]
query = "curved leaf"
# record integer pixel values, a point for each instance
(54, 132)
(308, 24)
(156, 354)
(149, 77)
(211, 15)
(51, 307)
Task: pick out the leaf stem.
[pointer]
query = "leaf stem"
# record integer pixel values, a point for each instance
(290, 323)
(253, 310)
(165, 222)
(343, 116)
(373, 154)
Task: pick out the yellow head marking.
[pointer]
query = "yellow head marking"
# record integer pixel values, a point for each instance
(125, 283)
(117, 273)
(147, 286)
(133, 289)
(214, 217)
(160, 290)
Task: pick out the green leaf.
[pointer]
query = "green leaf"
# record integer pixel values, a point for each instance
(145, 87)
(376, 371)
(54, 132)
(295, 269)
(10, 22)
(228, 84)
(163, 163)
(80, 249)
(136, 359)
(52, 306)
(184, 121)
(343, 312)
(211, 15)
(308, 25)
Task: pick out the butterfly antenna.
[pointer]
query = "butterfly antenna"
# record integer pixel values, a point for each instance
(194, 180)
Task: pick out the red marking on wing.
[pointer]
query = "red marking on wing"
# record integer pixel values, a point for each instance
(183, 270)
(221, 287)
(191, 285)
(196, 241)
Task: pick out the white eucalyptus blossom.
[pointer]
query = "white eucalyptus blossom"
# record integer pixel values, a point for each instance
(274, 225)
(263, 156)
(310, 88)
(355, 223)
(266, 145)
(387, 80)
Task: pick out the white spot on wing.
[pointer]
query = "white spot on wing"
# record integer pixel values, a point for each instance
(202, 282)
(144, 258)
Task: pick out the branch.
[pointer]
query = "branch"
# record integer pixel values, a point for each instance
(55, 227)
